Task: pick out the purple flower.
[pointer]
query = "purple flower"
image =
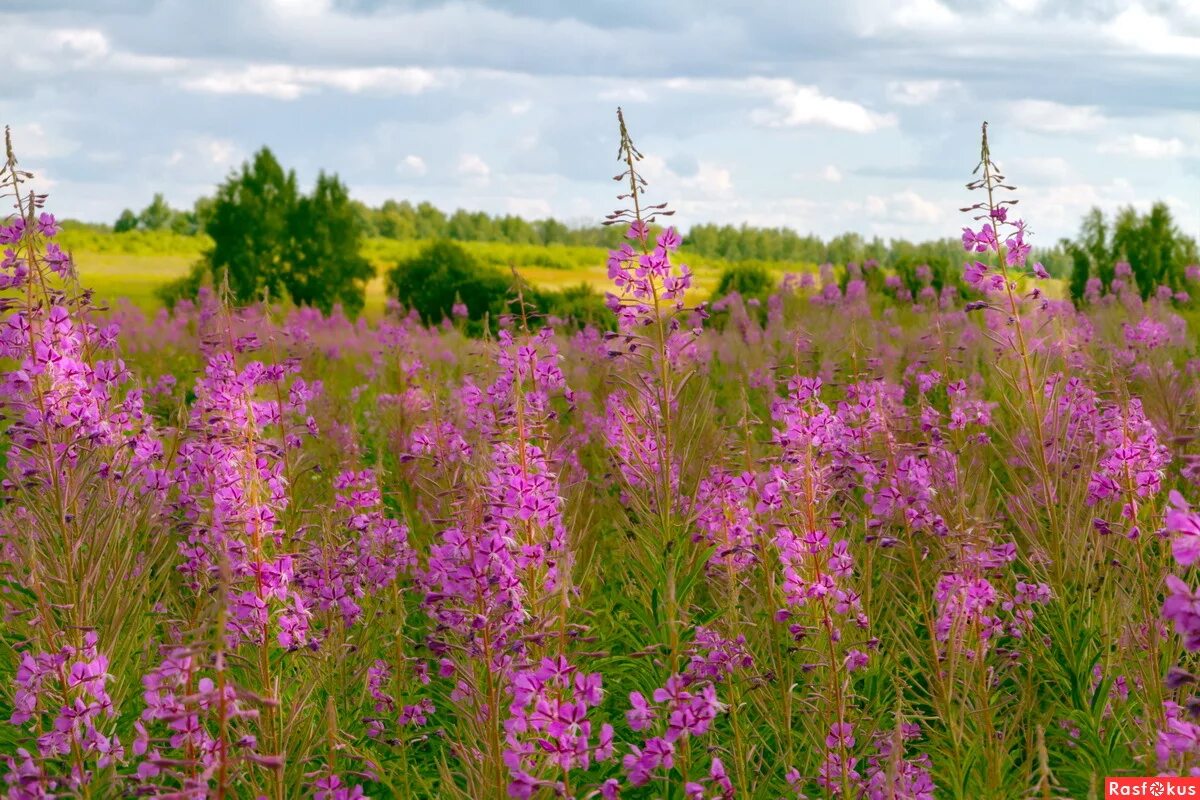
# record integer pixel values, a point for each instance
(47, 225)
(974, 272)
(1184, 524)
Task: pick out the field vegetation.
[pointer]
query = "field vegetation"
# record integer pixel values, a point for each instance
(906, 525)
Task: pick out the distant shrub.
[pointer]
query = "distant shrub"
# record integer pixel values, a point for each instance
(444, 273)
(184, 288)
(579, 304)
(748, 280)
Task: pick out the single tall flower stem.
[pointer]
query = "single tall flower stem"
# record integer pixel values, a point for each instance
(990, 182)
(835, 677)
(219, 663)
(735, 710)
(666, 460)
(1152, 680)
(52, 462)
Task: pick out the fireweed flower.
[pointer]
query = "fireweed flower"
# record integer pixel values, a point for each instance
(1182, 604)
(197, 728)
(547, 731)
(681, 710)
(233, 491)
(1177, 743)
(80, 444)
(332, 787)
(980, 605)
(1132, 462)
(372, 553)
(891, 776)
(63, 697)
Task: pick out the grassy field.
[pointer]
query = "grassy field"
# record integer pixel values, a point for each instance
(133, 269)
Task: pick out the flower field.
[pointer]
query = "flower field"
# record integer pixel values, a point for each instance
(864, 539)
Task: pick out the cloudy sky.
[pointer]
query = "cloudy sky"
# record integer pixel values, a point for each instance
(822, 116)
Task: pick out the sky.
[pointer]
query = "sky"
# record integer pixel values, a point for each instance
(825, 117)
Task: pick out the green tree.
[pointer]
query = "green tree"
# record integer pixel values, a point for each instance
(1081, 269)
(250, 225)
(269, 238)
(184, 223)
(202, 211)
(325, 265)
(128, 221)
(1157, 251)
(156, 216)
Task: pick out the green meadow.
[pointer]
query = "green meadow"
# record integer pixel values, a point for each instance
(132, 266)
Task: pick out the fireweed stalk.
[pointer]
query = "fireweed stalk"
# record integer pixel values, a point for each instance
(522, 637)
(726, 522)
(648, 428)
(817, 596)
(650, 297)
(1178, 741)
(548, 735)
(83, 487)
(1005, 242)
(233, 492)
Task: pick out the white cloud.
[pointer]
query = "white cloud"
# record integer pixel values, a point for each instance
(305, 8)
(831, 174)
(412, 165)
(203, 156)
(625, 94)
(529, 207)
(220, 152)
(901, 210)
(287, 82)
(68, 50)
(795, 105)
(922, 15)
(1045, 116)
(710, 180)
(1139, 29)
(1140, 146)
(473, 167)
(919, 93)
(85, 45)
(1060, 206)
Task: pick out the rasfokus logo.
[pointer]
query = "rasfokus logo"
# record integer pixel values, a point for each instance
(1151, 787)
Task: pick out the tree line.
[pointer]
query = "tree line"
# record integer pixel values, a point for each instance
(1153, 246)
(270, 238)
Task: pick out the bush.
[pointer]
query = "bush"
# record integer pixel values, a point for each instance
(578, 304)
(444, 273)
(184, 288)
(748, 280)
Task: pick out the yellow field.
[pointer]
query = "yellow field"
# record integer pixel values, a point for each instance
(136, 276)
